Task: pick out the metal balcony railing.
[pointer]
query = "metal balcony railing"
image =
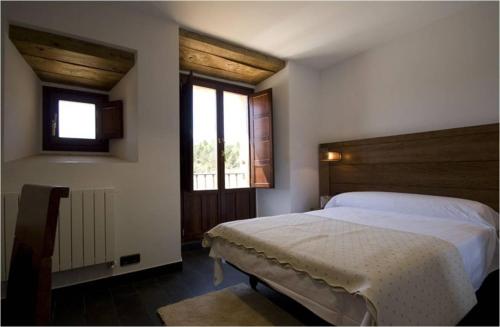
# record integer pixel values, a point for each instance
(208, 181)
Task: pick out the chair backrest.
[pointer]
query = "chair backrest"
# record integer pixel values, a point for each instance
(29, 285)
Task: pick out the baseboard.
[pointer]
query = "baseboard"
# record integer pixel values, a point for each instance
(131, 276)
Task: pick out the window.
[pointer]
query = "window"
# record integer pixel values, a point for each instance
(236, 141)
(229, 137)
(76, 120)
(79, 121)
(204, 138)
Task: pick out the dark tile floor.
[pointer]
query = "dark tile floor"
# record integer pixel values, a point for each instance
(134, 301)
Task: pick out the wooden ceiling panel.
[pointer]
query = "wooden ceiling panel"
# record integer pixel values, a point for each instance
(65, 60)
(215, 72)
(62, 68)
(47, 52)
(72, 80)
(209, 56)
(238, 70)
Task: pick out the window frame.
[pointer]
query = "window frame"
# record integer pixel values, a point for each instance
(220, 88)
(51, 97)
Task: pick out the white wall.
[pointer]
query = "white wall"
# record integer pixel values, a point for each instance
(277, 200)
(442, 76)
(147, 202)
(126, 90)
(304, 110)
(21, 103)
(295, 114)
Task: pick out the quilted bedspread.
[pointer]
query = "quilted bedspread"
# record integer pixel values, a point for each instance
(406, 278)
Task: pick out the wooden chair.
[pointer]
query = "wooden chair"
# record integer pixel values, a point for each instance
(28, 300)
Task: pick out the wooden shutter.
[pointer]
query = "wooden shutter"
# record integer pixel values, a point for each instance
(112, 120)
(261, 139)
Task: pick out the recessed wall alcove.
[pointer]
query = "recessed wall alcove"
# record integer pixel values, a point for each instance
(34, 58)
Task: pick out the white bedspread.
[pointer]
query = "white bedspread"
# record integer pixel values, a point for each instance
(477, 243)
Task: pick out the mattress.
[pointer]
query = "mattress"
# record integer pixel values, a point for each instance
(476, 243)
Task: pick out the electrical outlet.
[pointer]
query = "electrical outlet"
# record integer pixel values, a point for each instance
(130, 259)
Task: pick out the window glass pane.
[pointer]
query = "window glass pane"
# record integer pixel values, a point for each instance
(236, 139)
(76, 120)
(204, 138)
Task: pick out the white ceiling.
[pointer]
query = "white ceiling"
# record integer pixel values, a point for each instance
(317, 34)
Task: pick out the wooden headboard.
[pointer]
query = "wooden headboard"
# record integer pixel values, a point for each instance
(459, 162)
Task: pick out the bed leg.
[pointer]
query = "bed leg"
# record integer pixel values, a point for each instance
(253, 282)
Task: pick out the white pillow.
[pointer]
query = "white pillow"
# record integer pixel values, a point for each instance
(418, 204)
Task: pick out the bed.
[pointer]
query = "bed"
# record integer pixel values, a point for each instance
(378, 257)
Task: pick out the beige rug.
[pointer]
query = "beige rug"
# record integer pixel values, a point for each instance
(238, 305)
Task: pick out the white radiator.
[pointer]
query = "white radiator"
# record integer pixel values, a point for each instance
(84, 236)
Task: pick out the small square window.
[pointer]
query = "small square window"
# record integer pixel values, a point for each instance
(77, 120)
(72, 120)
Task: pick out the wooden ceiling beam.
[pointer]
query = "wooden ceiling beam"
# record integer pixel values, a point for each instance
(72, 61)
(72, 80)
(215, 72)
(210, 56)
(213, 61)
(48, 52)
(62, 68)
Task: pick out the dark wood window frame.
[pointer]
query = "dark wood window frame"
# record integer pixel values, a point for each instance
(51, 141)
(220, 88)
(204, 209)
